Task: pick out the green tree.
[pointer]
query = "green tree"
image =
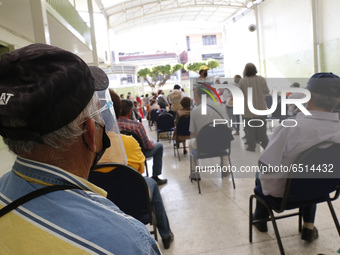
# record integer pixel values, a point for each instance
(212, 63)
(195, 66)
(157, 76)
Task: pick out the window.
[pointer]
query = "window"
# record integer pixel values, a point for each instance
(209, 39)
(129, 79)
(217, 56)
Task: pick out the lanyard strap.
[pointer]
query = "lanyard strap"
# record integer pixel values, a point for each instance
(16, 203)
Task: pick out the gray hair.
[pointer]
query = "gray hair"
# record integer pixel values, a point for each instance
(60, 139)
(326, 102)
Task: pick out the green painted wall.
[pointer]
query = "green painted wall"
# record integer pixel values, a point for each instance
(295, 64)
(330, 56)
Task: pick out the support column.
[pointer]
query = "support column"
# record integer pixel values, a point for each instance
(258, 39)
(226, 61)
(316, 39)
(39, 19)
(93, 35)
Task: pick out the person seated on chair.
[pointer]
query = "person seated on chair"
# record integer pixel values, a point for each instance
(151, 149)
(51, 120)
(136, 160)
(161, 100)
(199, 120)
(184, 111)
(287, 143)
(175, 98)
(136, 112)
(152, 106)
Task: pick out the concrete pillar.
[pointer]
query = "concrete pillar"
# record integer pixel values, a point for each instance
(258, 38)
(39, 19)
(226, 57)
(316, 39)
(93, 35)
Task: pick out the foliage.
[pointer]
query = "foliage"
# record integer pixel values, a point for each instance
(195, 66)
(157, 76)
(212, 63)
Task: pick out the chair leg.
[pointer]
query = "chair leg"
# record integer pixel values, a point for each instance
(232, 178)
(300, 221)
(231, 172)
(335, 219)
(154, 225)
(177, 145)
(146, 168)
(198, 183)
(251, 218)
(272, 218)
(277, 234)
(197, 178)
(193, 163)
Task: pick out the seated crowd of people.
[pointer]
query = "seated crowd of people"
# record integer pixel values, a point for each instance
(58, 131)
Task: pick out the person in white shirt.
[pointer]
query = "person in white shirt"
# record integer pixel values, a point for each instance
(287, 143)
(175, 98)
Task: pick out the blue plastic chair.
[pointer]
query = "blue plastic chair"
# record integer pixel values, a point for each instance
(165, 124)
(127, 189)
(211, 142)
(153, 116)
(181, 132)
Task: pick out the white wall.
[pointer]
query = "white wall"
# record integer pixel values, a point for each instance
(286, 36)
(241, 45)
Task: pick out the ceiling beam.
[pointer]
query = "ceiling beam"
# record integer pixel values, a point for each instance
(187, 4)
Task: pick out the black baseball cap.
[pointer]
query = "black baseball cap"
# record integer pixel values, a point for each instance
(327, 84)
(47, 87)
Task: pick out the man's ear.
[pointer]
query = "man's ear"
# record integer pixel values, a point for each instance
(309, 104)
(130, 114)
(90, 134)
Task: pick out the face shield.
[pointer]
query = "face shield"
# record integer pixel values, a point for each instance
(116, 152)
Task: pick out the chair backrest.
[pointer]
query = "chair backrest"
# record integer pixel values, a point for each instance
(154, 114)
(165, 121)
(182, 126)
(126, 188)
(213, 141)
(315, 175)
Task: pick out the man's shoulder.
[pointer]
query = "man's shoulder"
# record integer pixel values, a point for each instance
(175, 91)
(129, 122)
(196, 110)
(124, 120)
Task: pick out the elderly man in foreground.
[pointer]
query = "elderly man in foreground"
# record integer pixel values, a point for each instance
(51, 120)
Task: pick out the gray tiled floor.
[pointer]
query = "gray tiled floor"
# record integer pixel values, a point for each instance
(216, 221)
